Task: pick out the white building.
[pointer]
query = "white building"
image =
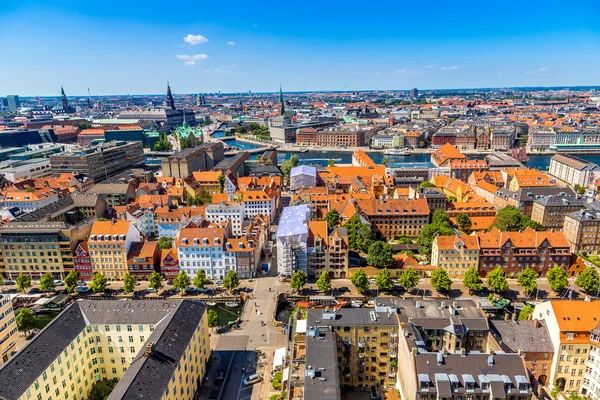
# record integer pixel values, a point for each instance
(142, 219)
(204, 248)
(382, 141)
(292, 240)
(573, 170)
(257, 202)
(34, 168)
(223, 212)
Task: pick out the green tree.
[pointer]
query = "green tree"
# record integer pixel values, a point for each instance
(440, 280)
(253, 126)
(82, 125)
(426, 185)
(331, 163)
(47, 282)
(364, 238)
(525, 312)
(71, 281)
(422, 143)
(213, 318)
(380, 255)
(165, 243)
(527, 222)
(277, 380)
(1, 280)
(184, 143)
(472, 280)
(128, 282)
(439, 226)
(23, 282)
(221, 180)
(384, 161)
(588, 280)
(299, 280)
(99, 283)
(163, 143)
(231, 281)
(324, 283)
(579, 189)
(360, 281)
(527, 279)
(181, 281)
(452, 199)
(156, 281)
(26, 320)
(409, 279)
(332, 218)
(496, 280)
(384, 280)
(557, 278)
(440, 218)
(240, 129)
(511, 219)
(287, 165)
(101, 389)
(464, 223)
(200, 280)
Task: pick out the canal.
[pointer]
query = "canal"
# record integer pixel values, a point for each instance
(227, 314)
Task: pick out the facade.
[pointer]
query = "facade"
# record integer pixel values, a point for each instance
(99, 162)
(327, 250)
(109, 244)
(582, 230)
(395, 217)
(114, 194)
(8, 329)
(462, 169)
(223, 211)
(292, 240)
(13, 102)
(573, 170)
(550, 211)
(257, 201)
(445, 154)
(143, 259)
(169, 263)
(27, 200)
(124, 340)
(316, 137)
(502, 137)
(142, 219)
(82, 261)
(455, 254)
(202, 158)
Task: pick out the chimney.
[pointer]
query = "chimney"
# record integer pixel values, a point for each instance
(536, 323)
(149, 348)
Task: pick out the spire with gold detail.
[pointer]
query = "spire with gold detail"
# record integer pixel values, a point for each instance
(170, 100)
(281, 100)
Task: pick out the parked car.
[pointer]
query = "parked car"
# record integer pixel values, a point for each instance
(372, 281)
(252, 379)
(10, 283)
(34, 291)
(82, 289)
(80, 283)
(191, 289)
(220, 373)
(219, 282)
(204, 289)
(58, 282)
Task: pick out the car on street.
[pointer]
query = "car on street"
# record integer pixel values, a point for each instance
(191, 289)
(58, 282)
(372, 281)
(34, 291)
(219, 282)
(82, 289)
(220, 373)
(252, 379)
(80, 283)
(204, 290)
(10, 283)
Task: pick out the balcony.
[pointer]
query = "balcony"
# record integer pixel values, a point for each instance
(361, 345)
(361, 355)
(394, 334)
(393, 345)
(393, 354)
(392, 372)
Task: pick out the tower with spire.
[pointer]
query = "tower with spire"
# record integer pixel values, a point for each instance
(281, 100)
(170, 100)
(65, 103)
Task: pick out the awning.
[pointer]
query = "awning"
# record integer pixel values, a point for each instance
(301, 326)
(279, 358)
(286, 373)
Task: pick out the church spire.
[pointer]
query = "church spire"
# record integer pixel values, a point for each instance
(170, 100)
(281, 100)
(65, 104)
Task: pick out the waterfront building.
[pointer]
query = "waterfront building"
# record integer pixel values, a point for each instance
(183, 163)
(445, 154)
(573, 170)
(463, 168)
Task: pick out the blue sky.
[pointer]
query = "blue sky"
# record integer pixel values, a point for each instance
(116, 47)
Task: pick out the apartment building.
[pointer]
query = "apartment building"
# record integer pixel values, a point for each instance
(573, 170)
(515, 251)
(169, 263)
(591, 380)
(115, 194)
(143, 259)
(524, 198)
(470, 208)
(234, 212)
(445, 154)
(259, 201)
(108, 244)
(455, 254)
(570, 325)
(8, 329)
(106, 339)
(318, 137)
(82, 262)
(582, 230)
(142, 218)
(463, 168)
(202, 158)
(391, 218)
(550, 211)
(327, 250)
(502, 137)
(168, 223)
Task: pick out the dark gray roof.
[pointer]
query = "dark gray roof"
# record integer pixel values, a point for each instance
(62, 205)
(232, 163)
(352, 317)
(531, 194)
(523, 335)
(557, 200)
(321, 353)
(35, 226)
(585, 215)
(146, 377)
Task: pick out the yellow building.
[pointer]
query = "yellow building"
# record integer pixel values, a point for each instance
(455, 254)
(8, 329)
(156, 349)
(109, 245)
(202, 183)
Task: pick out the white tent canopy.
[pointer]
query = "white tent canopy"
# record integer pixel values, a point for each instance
(279, 358)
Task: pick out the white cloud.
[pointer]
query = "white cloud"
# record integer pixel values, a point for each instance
(405, 71)
(190, 63)
(194, 57)
(429, 66)
(194, 39)
(231, 43)
(536, 71)
(451, 67)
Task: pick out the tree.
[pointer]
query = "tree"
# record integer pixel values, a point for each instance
(181, 281)
(332, 218)
(360, 281)
(324, 283)
(579, 189)
(200, 280)
(23, 282)
(165, 242)
(26, 320)
(426, 185)
(557, 278)
(360, 236)
(240, 129)
(440, 218)
(384, 280)
(464, 223)
(213, 318)
(221, 180)
(231, 281)
(439, 226)
(82, 125)
(184, 143)
(287, 165)
(128, 282)
(71, 281)
(452, 199)
(155, 281)
(422, 143)
(525, 312)
(364, 238)
(409, 279)
(380, 255)
(440, 280)
(527, 279)
(99, 283)
(588, 280)
(101, 389)
(496, 280)
(511, 219)
(331, 163)
(527, 222)
(472, 280)
(163, 143)
(384, 161)
(47, 282)
(299, 280)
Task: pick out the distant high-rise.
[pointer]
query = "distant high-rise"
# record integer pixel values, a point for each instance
(13, 102)
(414, 93)
(281, 100)
(170, 100)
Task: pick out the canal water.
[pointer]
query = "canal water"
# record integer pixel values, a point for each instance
(284, 311)
(226, 314)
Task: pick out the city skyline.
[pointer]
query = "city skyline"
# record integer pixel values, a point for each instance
(330, 47)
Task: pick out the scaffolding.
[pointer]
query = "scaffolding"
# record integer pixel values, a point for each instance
(292, 240)
(303, 176)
